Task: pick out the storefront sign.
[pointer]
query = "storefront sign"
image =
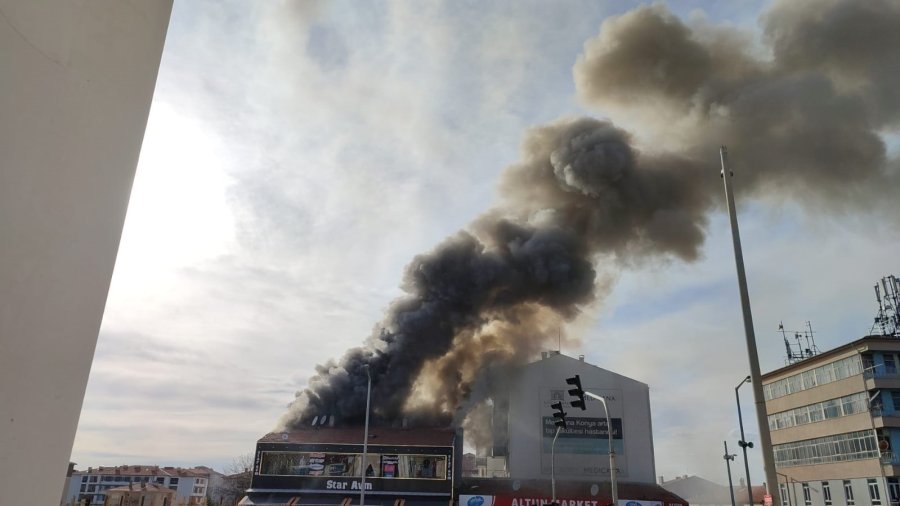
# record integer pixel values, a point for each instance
(504, 500)
(346, 485)
(631, 502)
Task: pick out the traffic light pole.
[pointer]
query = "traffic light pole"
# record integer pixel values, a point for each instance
(612, 451)
(553, 465)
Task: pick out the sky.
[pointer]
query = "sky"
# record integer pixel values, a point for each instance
(299, 154)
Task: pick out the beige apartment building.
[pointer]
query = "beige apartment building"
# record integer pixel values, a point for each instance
(834, 418)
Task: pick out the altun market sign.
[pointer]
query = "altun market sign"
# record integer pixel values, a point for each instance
(504, 500)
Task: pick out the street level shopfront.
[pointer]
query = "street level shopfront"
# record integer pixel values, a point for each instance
(323, 466)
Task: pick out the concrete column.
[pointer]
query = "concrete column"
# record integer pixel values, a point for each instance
(76, 80)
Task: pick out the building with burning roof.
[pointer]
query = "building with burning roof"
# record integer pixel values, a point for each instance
(323, 465)
(90, 488)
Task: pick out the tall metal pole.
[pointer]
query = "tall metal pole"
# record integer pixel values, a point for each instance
(743, 443)
(765, 440)
(728, 458)
(553, 465)
(362, 488)
(612, 451)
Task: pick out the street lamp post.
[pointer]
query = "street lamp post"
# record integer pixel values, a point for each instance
(728, 458)
(743, 443)
(612, 451)
(362, 488)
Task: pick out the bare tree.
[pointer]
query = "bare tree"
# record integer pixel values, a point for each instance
(234, 484)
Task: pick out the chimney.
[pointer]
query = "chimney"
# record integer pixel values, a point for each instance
(90, 469)
(581, 357)
(130, 485)
(143, 485)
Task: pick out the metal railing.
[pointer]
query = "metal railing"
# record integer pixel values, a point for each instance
(890, 458)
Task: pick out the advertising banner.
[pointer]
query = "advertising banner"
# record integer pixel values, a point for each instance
(582, 448)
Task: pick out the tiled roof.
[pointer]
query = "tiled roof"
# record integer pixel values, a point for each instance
(152, 487)
(142, 470)
(354, 436)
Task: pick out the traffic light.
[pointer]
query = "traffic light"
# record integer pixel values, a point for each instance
(576, 392)
(559, 415)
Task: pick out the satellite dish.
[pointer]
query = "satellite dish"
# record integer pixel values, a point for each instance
(284, 436)
(884, 445)
(595, 489)
(516, 485)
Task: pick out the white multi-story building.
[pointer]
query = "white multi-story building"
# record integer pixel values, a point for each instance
(524, 424)
(89, 487)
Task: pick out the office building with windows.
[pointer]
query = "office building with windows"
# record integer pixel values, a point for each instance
(834, 419)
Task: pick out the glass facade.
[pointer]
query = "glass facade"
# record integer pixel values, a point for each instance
(837, 448)
(322, 464)
(833, 408)
(821, 375)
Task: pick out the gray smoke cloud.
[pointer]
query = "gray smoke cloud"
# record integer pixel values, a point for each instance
(803, 124)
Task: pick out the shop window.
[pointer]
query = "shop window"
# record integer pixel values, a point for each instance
(348, 464)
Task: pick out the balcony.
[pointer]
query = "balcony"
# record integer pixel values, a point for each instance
(890, 458)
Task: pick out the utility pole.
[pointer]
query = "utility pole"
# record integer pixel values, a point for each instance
(765, 438)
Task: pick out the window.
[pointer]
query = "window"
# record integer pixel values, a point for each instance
(782, 489)
(837, 448)
(848, 493)
(819, 376)
(894, 490)
(833, 408)
(874, 493)
(173, 481)
(83, 488)
(826, 493)
(84, 479)
(349, 464)
(890, 364)
(807, 497)
(93, 479)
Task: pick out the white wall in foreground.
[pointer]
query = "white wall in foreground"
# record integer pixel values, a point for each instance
(76, 80)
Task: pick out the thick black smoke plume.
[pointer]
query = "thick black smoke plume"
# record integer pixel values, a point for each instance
(803, 124)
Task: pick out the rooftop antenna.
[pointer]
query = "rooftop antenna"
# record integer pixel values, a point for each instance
(796, 352)
(887, 321)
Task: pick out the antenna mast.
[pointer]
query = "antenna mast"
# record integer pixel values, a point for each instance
(887, 321)
(796, 352)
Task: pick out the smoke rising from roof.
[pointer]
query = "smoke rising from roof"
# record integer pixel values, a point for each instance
(804, 124)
